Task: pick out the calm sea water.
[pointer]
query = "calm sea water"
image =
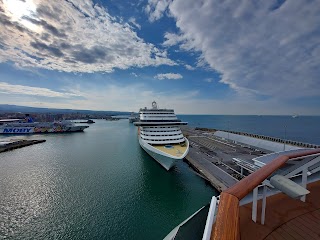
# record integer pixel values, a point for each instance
(98, 184)
(302, 128)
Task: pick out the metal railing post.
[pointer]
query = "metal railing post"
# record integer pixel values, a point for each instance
(304, 182)
(264, 203)
(255, 204)
(209, 222)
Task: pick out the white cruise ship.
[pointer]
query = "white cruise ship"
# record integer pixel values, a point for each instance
(160, 135)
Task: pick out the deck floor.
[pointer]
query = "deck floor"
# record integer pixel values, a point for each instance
(177, 150)
(286, 218)
(305, 226)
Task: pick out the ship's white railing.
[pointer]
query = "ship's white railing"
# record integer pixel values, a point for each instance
(210, 219)
(227, 224)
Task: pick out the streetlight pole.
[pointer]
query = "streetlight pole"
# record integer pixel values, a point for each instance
(228, 126)
(285, 137)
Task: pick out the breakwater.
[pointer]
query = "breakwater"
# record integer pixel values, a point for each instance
(19, 144)
(278, 140)
(273, 139)
(303, 129)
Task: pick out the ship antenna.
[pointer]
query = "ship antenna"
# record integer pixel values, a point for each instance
(154, 105)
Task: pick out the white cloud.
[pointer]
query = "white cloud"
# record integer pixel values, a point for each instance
(74, 36)
(133, 21)
(262, 47)
(124, 98)
(172, 39)
(156, 8)
(189, 67)
(7, 88)
(209, 80)
(134, 74)
(162, 76)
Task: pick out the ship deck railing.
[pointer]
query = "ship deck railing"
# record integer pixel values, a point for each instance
(290, 183)
(285, 187)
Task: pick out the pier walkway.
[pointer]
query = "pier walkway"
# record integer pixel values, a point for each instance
(218, 178)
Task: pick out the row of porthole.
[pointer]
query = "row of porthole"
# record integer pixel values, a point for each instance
(163, 131)
(157, 140)
(161, 120)
(159, 135)
(144, 113)
(159, 127)
(163, 116)
(159, 116)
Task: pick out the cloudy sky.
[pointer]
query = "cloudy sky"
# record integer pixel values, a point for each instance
(198, 57)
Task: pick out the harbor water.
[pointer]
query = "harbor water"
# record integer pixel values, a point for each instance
(98, 184)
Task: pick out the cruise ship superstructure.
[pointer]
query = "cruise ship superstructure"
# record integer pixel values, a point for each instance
(160, 135)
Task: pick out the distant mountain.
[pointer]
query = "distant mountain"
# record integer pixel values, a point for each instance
(24, 109)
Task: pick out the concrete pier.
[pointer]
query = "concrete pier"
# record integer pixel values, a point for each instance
(216, 158)
(14, 144)
(217, 177)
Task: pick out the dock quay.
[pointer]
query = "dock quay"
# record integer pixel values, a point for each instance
(223, 161)
(210, 172)
(9, 145)
(277, 198)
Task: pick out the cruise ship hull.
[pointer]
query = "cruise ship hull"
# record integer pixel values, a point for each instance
(33, 130)
(165, 160)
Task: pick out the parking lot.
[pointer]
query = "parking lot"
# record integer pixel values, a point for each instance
(214, 157)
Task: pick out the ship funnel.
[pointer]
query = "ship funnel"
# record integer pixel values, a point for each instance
(154, 105)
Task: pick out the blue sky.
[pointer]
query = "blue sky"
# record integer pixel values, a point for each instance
(198, 57)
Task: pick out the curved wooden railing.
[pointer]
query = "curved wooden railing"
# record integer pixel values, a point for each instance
(227, 223)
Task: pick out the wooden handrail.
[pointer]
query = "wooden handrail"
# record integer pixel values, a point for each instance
(227, 223)
(228, 214)
(246, 185)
